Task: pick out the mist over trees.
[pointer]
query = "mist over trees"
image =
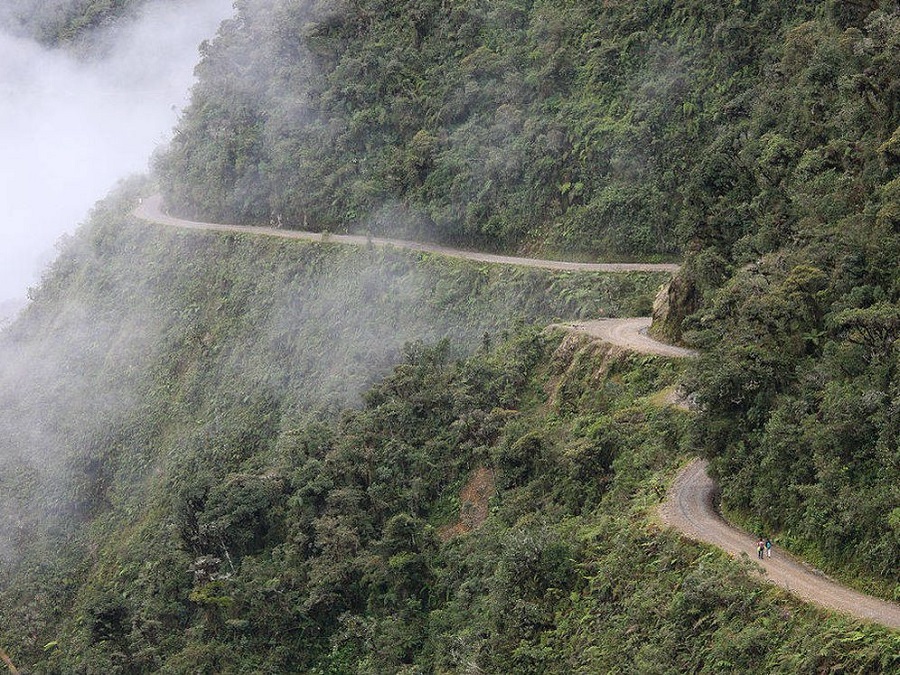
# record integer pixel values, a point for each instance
(607, 129)
(759, 139)
(207, 488)
(181, 507)
(55, 22)
(79, 113)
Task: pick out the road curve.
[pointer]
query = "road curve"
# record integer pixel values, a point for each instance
(630, 333)
(689, 507)
(150, 209)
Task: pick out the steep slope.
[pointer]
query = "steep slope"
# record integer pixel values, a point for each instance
(143, 345)
(177, 507)
(219, 530)
(759, 139)
(577, 127)
(188, 492)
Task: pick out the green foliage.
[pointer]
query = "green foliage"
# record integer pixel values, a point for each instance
(200, 382)
(801, 329)
(797, 390)
(480, 124)
(199, 497)
(69, 23)
(760, 138)
(252, 538)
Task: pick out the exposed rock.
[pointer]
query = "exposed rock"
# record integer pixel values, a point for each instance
(675, 300)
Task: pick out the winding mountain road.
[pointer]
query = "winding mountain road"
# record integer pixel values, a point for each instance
(689, 506)
(151, 210)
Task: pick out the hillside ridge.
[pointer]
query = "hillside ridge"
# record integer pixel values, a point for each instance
(688, 506)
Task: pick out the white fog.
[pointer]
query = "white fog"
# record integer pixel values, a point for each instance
(70, 129)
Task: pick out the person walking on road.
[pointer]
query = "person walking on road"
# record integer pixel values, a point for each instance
(768, 547)
(760, 547)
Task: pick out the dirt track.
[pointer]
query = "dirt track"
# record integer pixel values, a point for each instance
(151, 211)
(630, 333)
(689, 508)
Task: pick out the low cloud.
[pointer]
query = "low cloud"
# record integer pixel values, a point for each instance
(71, 127)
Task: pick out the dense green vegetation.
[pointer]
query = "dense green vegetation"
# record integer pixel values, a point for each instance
(146, 348)
(188, 514)
(213, 461)
(759, 139)
(58, 22)
(497, 124)
(800, 382)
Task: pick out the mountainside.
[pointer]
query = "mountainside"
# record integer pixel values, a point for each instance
(230, 453)
(761, 140)
(149, 353)
(177, 508)
(624, 128)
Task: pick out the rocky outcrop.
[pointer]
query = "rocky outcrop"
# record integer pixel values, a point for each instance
(675, 300)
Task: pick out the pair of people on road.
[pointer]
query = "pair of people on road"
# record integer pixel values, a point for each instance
(764, 548)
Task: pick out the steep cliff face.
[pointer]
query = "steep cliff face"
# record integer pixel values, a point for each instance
(150, 357)
(176, 507)
(593, 129)
(198, 484)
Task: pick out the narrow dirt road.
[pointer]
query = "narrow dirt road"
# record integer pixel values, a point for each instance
(632, 334)
(689, 507)
(151, 211)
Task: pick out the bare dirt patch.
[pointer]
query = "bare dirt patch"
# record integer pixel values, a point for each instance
(473, 503)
